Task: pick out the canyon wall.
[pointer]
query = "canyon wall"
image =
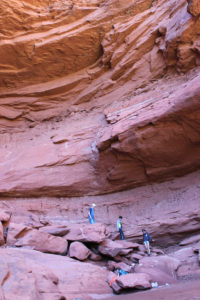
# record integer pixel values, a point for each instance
(99, 97)
(99, 103)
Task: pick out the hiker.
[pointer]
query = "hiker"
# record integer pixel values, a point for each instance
(91, 214)
(119, 228)
(146, 239)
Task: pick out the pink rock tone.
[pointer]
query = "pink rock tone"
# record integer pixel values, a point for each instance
(63, 113)
(136, 257)
(94, 233)
(42, 241)
(114, 248)
(1, 234)
(30, 274)
(79, 250)
(138, 281)
(161, 269)
(190, 240)
(95, 257)
(121, 265)
(189, 265)
(4, 216)
(99, 103)
(111, 280)
(190, 290)
(15, 232)
(57, 230)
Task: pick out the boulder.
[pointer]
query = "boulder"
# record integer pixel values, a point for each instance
(15, 231)
(79, 251)
(94, 233)
(114, 248)
(57, 230)
(111, 280)
(121, 265)
(30, 275)
(188, 259)
(184, 254)
(139, 281)
(161, 269)
(42, 241)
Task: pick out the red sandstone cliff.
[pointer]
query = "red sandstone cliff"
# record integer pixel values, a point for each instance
(99, 102)
(97, 96)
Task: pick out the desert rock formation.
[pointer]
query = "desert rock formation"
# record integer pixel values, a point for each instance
(99, 102)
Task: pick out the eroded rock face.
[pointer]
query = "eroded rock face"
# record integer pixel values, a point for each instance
(161, 269)
(98, 98)
(81, 98)
(79, 251)
(42, 241)
(29, 274)
(139, 281)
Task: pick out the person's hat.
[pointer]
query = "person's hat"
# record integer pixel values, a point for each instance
(93, 204)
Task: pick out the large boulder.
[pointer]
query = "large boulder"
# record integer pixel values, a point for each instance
(94, 233)
(114, 248)
(189, 265)
(139, 281)
(15, 231)
(58, 230)
(161, 269)
(30, 275)
(79, 251)
(42, 241)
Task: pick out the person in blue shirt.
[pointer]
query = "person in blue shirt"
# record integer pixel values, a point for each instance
(146, 239)
(91, 214)
(119, 228)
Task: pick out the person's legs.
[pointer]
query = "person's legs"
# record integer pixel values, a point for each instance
(147, 247)
(122, 237)
(91, 220)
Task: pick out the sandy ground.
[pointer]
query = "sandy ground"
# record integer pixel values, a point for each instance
(181, 291)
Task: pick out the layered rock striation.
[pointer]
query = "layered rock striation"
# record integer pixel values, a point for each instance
(99, 103)
(89, 89)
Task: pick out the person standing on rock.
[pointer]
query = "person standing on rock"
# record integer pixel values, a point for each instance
(146, 239)
(91, 214)
(119, 228)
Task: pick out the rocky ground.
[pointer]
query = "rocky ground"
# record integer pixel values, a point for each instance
(182, 290)
(42, 260)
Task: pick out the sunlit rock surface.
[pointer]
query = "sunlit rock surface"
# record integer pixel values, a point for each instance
(100, 103)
